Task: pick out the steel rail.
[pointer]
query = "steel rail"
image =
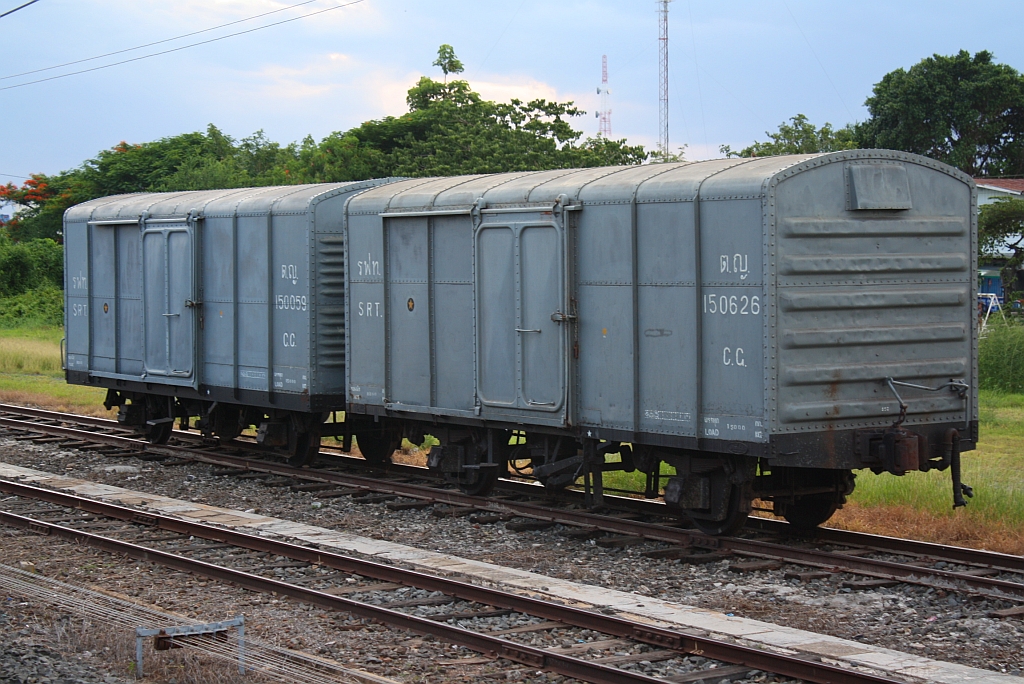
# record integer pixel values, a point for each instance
(592, 671)
(482, 643)
(958, 554)
(882, 543)
(57, 415)
(835, 562)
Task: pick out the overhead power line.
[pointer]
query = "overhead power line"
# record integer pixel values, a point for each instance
(820, 64)
(11, 175)
(183, 47)
(30, 2)
(156, 42)
(502, 34)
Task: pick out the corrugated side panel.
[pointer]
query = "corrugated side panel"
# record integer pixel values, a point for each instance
(866, 295)
(330, 295)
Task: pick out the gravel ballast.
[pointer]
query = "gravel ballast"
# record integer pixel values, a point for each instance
(918, 620)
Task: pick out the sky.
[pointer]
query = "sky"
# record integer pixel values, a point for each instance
(737, 68)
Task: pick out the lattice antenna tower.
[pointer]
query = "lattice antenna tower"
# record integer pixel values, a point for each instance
(605, 114)
(663, 74)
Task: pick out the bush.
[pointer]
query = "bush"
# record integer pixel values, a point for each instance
(30, 264)
(1001, 358)
(17, 269)
(43, 306)
(48, 258)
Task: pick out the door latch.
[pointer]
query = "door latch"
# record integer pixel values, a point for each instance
(559, 317)
(190, 304)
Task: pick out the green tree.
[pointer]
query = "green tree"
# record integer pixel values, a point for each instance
(41, 200)
(962, 110)
(449, 130)
(799, 136)
(1001, 231)
(447, 60)
(190, 161)
(29, 264)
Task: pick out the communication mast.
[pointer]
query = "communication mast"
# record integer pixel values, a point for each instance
(605, 115)
(663, 73)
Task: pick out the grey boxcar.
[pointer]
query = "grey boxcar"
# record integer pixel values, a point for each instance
(201, 303)
(765, 326)
(712, 315)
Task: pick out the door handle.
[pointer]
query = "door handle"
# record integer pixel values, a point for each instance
(177, 314)
(522, 330)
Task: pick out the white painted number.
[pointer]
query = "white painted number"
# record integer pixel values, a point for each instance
(293, 302)
(733, 357)
(732, 304)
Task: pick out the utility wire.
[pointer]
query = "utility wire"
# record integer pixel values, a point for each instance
(502, 34)
(823, 70)
(157, 42)
(11, 175)
(183, 47)
(18, 8)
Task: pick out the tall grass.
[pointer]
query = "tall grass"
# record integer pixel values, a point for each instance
(32, 356)
(1001, 357)
(30, 373)
(920, 505)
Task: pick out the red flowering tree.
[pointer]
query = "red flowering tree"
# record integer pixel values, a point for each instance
(41, 201)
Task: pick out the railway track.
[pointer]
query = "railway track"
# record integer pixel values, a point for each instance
(323, 579)
(882, 560)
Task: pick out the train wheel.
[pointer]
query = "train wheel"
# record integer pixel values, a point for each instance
(484, 484)
(159, 434)
(737, 512)
(227, 422)
(726, 489)
(377, 447)
(159, 421)
(307, 446)
(484, 481)
(807, 512)
(811, 510)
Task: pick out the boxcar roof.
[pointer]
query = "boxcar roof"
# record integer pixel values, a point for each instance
(650, 182)
(715, 179)
(279, 199)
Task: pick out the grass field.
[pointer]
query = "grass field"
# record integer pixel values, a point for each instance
(30, 373)
(920, 505)
(916, 505)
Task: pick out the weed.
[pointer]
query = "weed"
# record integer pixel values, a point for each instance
(1001, 358)
(32, 356)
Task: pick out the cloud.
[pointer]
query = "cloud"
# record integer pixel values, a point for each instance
(505, 88)
(329, 76)
(374, 90)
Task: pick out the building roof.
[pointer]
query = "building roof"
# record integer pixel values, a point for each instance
(1015, 185)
